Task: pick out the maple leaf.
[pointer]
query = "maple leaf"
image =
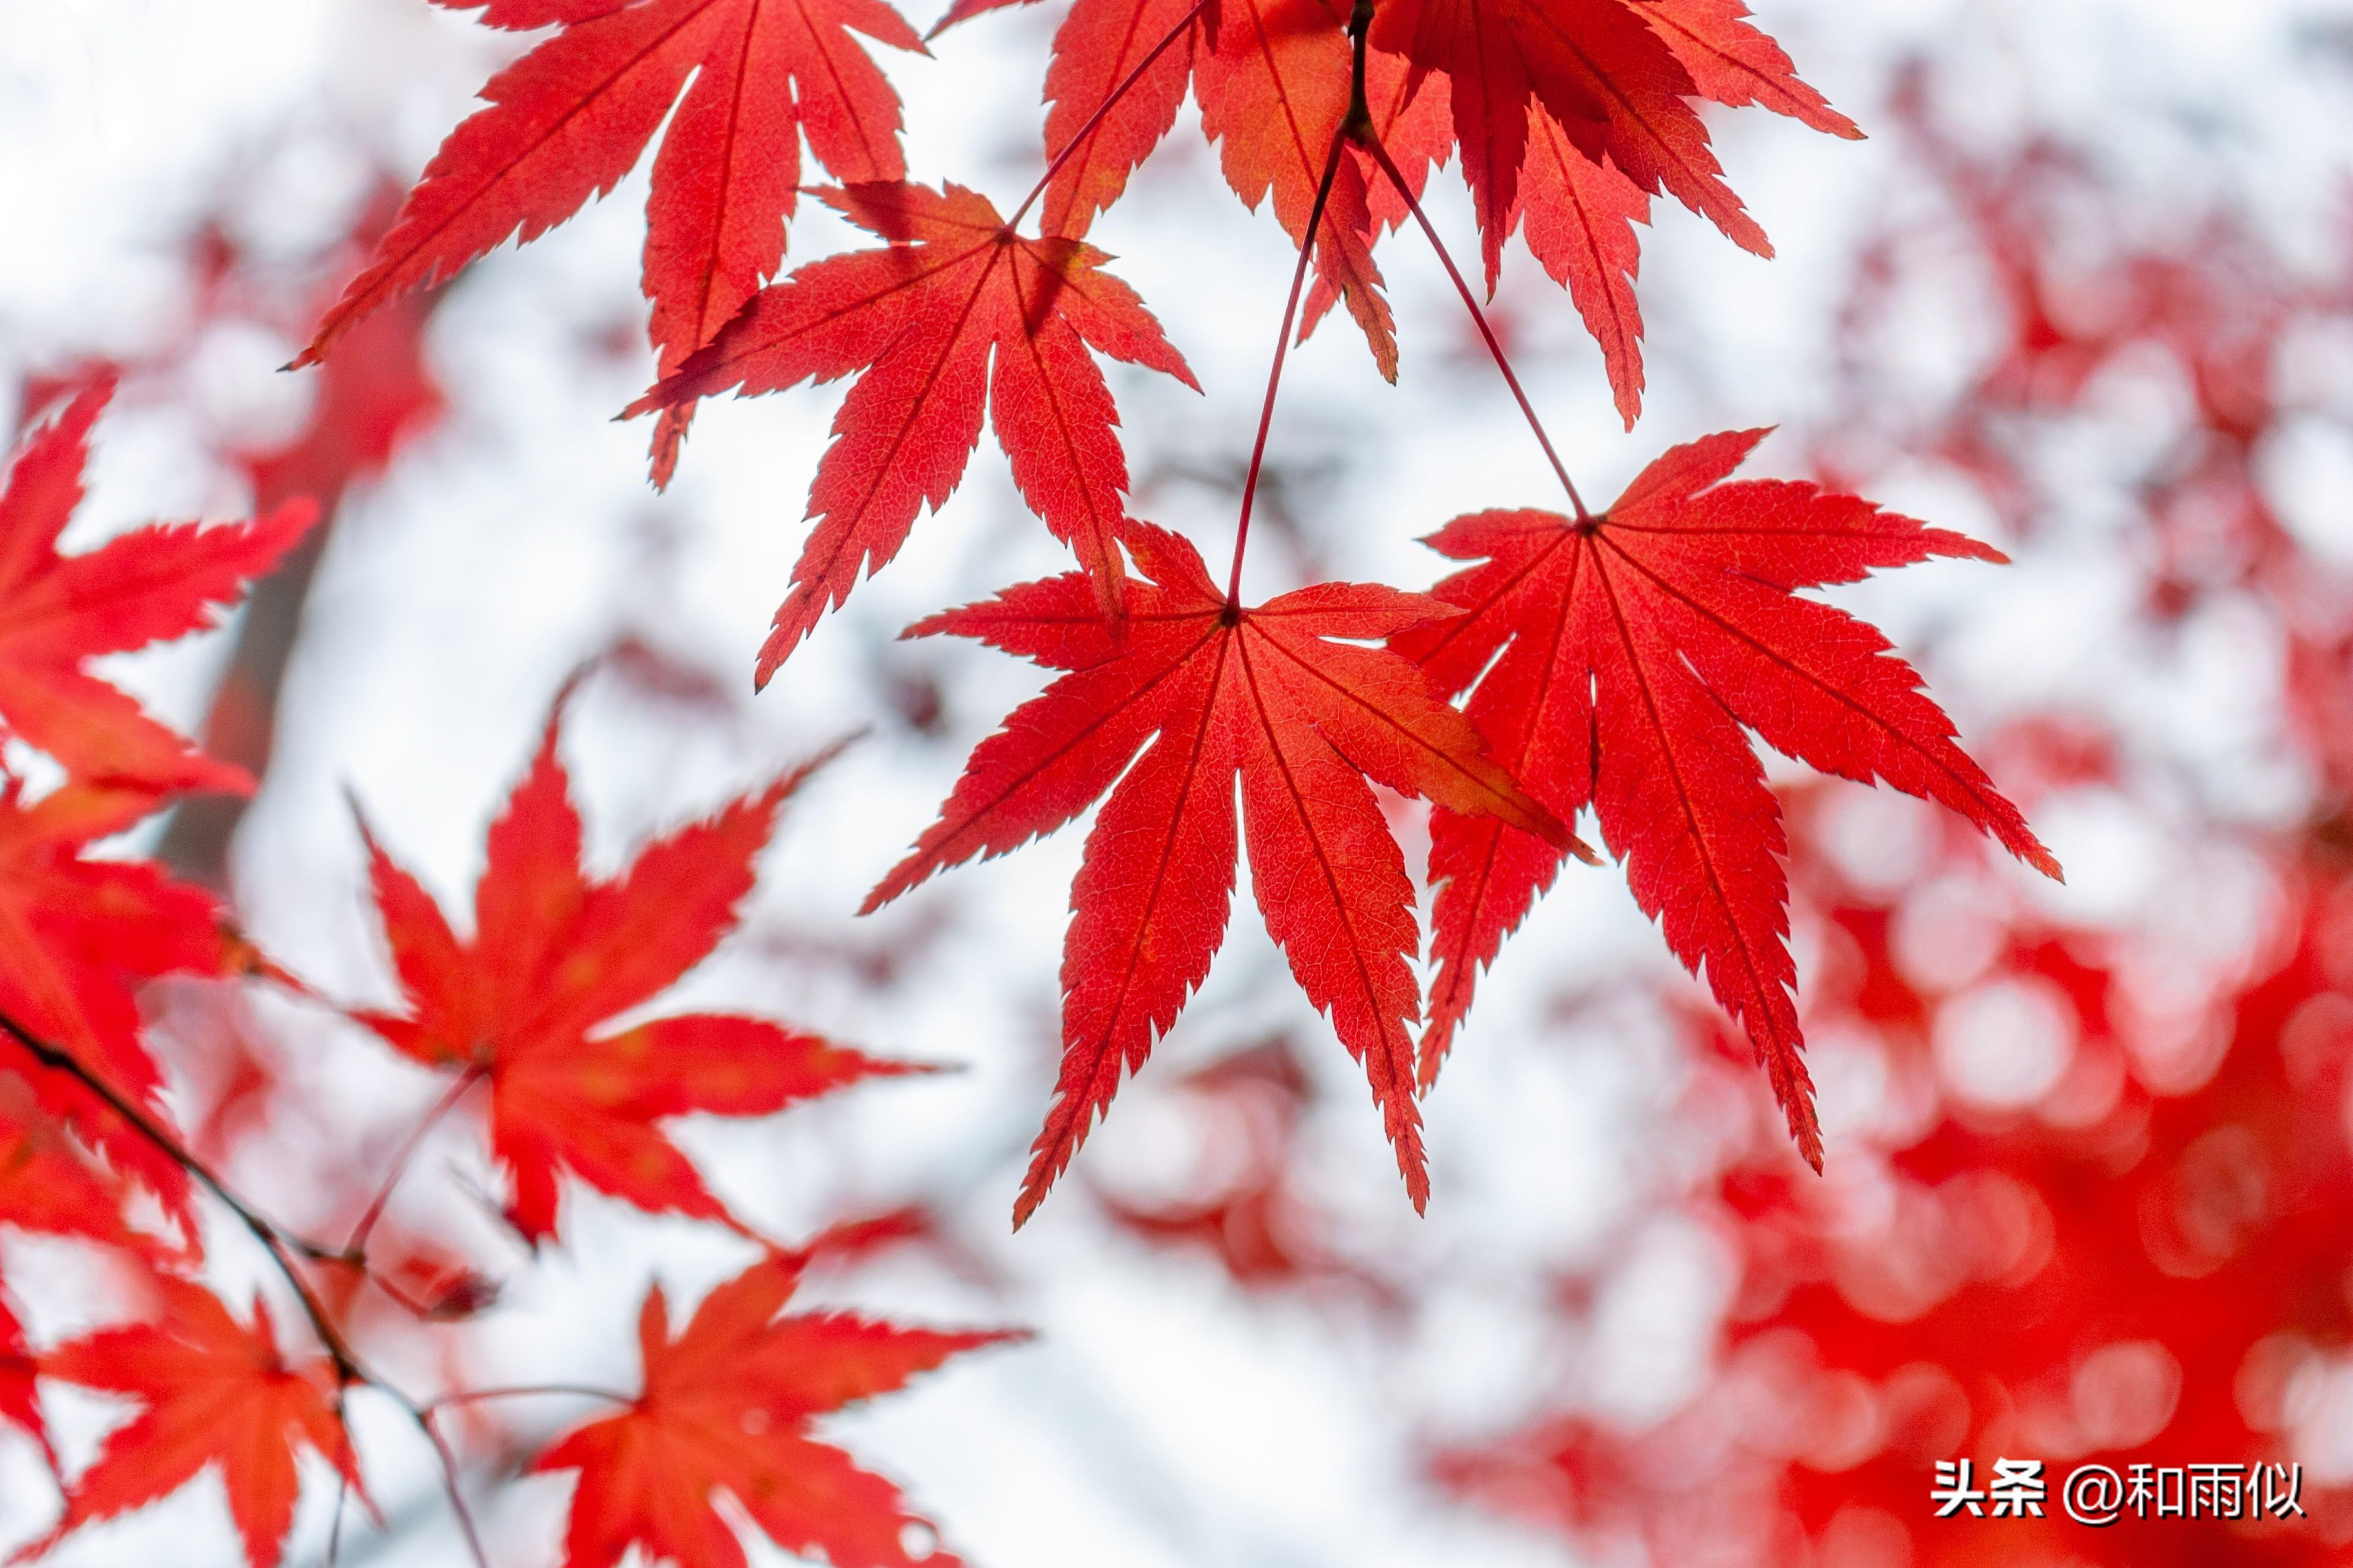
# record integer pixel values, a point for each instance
(573, 116)
(56, 612)
(1633, 648)
(50, 1187)
(727, 1408)
(216, 1394)
(956, 312)
(1576, 214)
(77, 936)
(1605, 77)
(554, 955)
(1206, 690)
(1572, 113)
(1273, 94)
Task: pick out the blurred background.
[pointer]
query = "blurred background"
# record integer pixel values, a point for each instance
(2086, 292)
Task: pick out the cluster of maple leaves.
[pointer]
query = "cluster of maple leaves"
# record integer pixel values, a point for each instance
(2137, 1262)
(513, 1013)
(1616, 659)
(1634, 643)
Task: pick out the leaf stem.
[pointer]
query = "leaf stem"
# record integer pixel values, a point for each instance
(1356, 125)
(1111, 100)
(1372, 144)
(524, 1391)
(356, 1249)
(1281, 348)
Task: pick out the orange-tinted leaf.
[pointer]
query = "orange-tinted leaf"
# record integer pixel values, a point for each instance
(1608, 80)
(58, 612)
(956, 313)
(1207, 690)
(1632, 651)
(1272, 95)
(1098, 45)
(726, 1409)
(555, 954)
(214, 1394)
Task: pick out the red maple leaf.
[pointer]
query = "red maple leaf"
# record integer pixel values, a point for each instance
(1634, 647)
(919, 321)
(77, 936)
(1271, 78)
(555, 954)
(58, 612)
(1570, 114)
(1206, 690)
(727, 1408)
(573, 116)
(216, 1394)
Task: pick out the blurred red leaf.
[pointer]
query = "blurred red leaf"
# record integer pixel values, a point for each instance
(214, 1394)
(554, 953)
(727, 1408)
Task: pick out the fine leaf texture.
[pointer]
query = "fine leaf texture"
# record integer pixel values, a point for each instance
(556, 953)
(955, 314)
(1632, 651)
(152, 584)
(77, 935)
(1206, 691)
(215, 1394)
(567, 120)
(726, 1409)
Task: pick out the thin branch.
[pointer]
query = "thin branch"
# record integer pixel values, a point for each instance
(356, 1249)
(535, 1390)
(1094, 121)
(1372, 144)
(282, 1249)
(1281, 348)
